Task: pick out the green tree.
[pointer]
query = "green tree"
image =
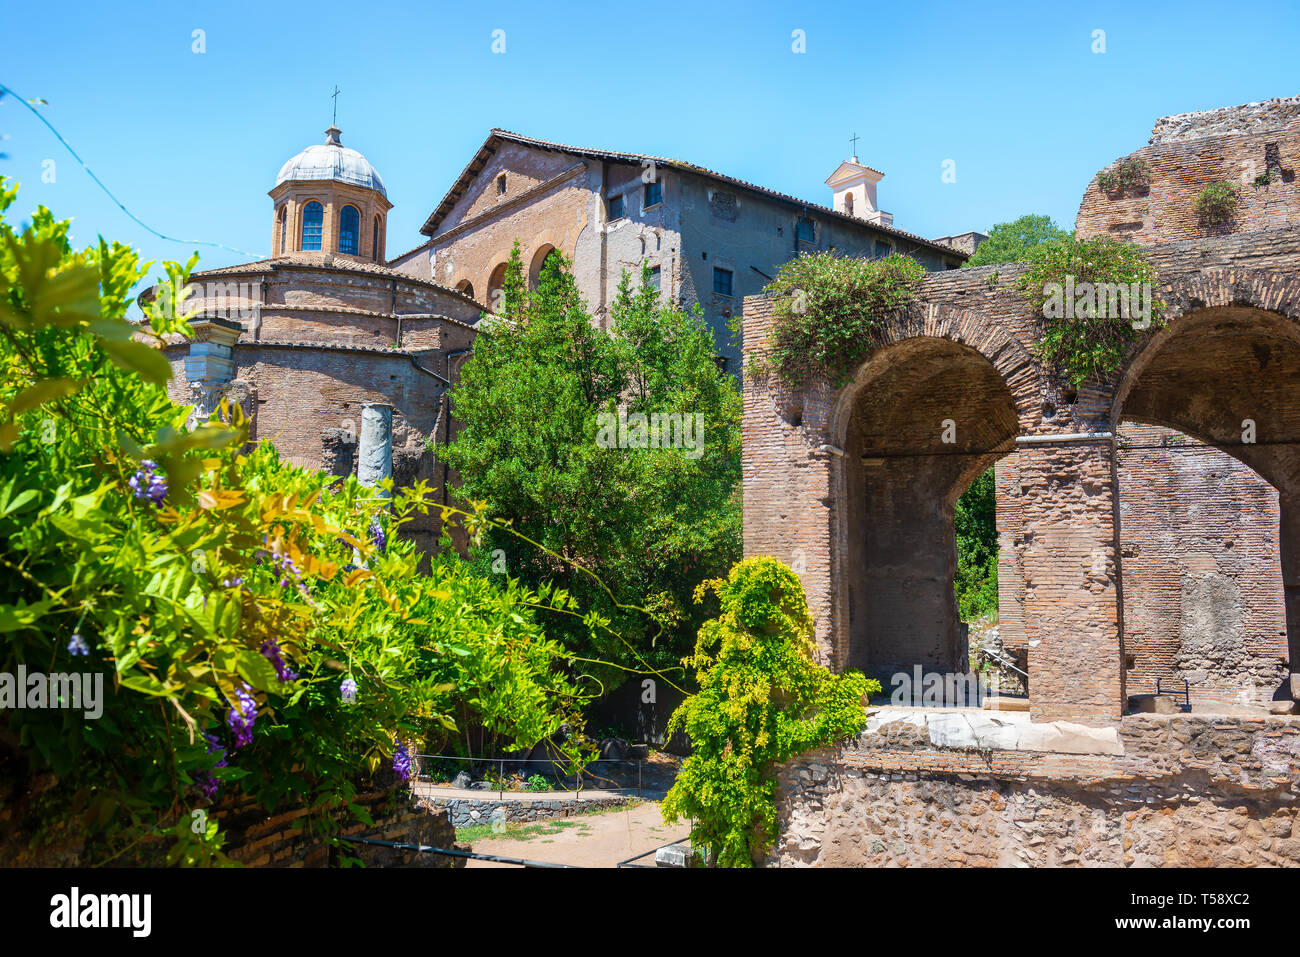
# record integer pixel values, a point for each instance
(1012, 242)
(762, 701)
(541, 401)
(975, 522)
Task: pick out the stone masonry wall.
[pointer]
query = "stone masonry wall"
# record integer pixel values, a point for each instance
(1187, 792)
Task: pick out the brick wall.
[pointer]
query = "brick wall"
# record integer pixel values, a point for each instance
(1190, 151)
(252, 837)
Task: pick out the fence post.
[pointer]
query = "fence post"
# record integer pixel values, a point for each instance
(501, 780)
(639, 766)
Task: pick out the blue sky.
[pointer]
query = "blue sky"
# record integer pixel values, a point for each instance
(1012, 93)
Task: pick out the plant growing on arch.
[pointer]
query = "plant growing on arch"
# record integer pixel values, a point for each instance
(1089, 338)
(826, 308)
(762, 701)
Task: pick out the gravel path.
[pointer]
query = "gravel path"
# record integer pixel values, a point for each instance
(601, 839)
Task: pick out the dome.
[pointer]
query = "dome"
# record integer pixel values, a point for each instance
(332, 160)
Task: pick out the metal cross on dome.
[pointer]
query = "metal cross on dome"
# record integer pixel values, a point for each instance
(335, 97)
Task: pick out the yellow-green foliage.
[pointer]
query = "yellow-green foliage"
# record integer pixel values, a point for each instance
(762, 700)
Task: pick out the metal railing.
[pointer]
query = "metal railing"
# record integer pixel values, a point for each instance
(1004, 662)
(656, 850)
(502, 762)
(454, 852)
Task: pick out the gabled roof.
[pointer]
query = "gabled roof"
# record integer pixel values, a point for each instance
(852, 169)
(498, 136)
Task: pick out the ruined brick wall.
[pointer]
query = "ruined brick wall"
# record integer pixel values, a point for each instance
(1203, 598)
(1186, 792)
(252, 837)
(257, 840)
(1233, 352)
(1189, 151)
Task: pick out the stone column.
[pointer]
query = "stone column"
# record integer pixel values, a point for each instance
(210, 364)
(375, 446)
(1289, 541)
(1072, 608)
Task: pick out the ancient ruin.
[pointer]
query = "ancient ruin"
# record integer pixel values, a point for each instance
(1148, 529)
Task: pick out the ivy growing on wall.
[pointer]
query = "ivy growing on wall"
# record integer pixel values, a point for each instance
(826, 309)
(762, 700)
(1130, 176)
(1095, 297)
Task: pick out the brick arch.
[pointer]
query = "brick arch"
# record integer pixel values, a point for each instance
(1231, 352)
(1188, 297)
(1019, 369)
(895, 481)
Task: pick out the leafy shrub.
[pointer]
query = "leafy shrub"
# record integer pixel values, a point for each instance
(827, 307)
(1086, 345)
(537, 782)
(260, 628)
(1216, 203)
(762, 700)
(1130, 175)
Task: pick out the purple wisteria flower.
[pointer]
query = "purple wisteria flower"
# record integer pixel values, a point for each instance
(146, 484)
(77, 646)
(241, 718)
(214, 746)
(402, 763)
(349, 690)
(207, 783)
(232, 582)
(286, 566)
(377, 534)
(272, 651)
(208, 786)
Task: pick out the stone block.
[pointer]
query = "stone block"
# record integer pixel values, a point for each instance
(1152, 704)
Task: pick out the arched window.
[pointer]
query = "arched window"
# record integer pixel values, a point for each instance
(349, 230)
(374, 242)
(465, 287)
(283, 223)
(313, 222)
(848, 203)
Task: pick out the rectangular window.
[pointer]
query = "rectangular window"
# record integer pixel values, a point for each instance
(654, 277)
(615, 204)
(501, 184)
(883, 249)
(654, 194)
(722, 281)
(805, 231)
